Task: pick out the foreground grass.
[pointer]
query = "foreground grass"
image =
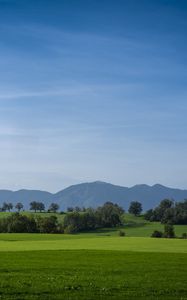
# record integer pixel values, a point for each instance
(35, 242)
(92, 274)
(87, 267)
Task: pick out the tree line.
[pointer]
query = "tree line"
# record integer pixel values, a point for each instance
(134, 208)
(85, 219)
(108, 215)
(168, 211)
(34, 206)
(19, 223)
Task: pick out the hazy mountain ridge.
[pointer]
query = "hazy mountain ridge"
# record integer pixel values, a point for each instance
(96, 193)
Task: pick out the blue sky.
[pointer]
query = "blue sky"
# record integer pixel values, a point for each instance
(93, 90)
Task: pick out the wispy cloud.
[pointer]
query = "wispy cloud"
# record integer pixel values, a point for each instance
(71, 89)
(66, 91)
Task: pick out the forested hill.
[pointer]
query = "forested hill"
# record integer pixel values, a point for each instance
(96, 193)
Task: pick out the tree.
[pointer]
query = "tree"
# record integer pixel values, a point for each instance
(148, 214)
(70, 209)
(135, 208)
(168, 216)
(109, 215)
(48, 225)
(37, 206)
(19, 206)
(169, 231)
(54, 207)
(74, 220)
(165, 204)
(9, 206)
(41, 206)
(181, 212)
(34, 206)
(5, 206)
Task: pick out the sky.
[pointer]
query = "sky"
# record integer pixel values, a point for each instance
(93, 90)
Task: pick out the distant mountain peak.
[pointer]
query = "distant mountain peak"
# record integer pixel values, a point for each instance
(141, 185)
(158, 185)
(99, 182)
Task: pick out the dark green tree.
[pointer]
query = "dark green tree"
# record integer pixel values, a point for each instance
(5, 206)
(169, 216)
(34, 206)
(54, 207)
(19, 206)
(70, 209)
(9, 206)
(169, 231)
(48, 225)
(40, 206)
(109, 215)
(148, 214)
(135, 208)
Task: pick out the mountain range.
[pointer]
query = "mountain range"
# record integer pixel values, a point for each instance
(96, 193)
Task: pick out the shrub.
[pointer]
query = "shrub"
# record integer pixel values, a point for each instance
(121, 233)
(184, 235)
(157, 234)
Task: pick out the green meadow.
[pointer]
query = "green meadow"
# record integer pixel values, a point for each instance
(92, 274)
(97, 265)
(35, 242)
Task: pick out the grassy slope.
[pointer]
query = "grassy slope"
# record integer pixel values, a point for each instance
(19, 242)
(88, 275)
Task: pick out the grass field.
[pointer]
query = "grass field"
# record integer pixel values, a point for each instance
(98, 265)
(88, 274)
(34, 242)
